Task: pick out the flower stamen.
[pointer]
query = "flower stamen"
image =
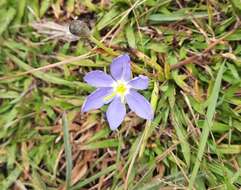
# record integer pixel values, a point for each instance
(121, 89)
(109, 97)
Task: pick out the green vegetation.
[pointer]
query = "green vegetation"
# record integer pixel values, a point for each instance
(191, 52)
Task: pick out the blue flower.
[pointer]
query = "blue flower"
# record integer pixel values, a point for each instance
(118, 89)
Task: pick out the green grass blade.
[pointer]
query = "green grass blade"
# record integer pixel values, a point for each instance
(102, 46)
(67, 149)
(20, 11)
(70, 6)
(107, 19)
(130, 36)
(162, 18)
(92, 178)
(49, 78)
(13, 176)
(150, 126)
(6, 18)
(181, 134)
(100, 144)
(45, 4)
(207, 125)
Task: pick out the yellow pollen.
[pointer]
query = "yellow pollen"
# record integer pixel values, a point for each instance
(109, 97)
(121, 89)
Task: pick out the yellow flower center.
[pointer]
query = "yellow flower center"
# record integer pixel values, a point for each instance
(121, 89)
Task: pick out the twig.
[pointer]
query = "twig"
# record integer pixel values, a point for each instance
(87, 55)
(209, 48)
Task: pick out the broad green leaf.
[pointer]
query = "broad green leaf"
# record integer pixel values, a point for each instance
(229, 149)
(107, 19)
(217, 126)
(130, 36)
(173, 17)
(8, 94)
(236, 36)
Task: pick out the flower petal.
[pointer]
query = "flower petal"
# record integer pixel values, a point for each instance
(139, 83)
(116, 113)
(98, 79)
(121, 67)
(139, 105)
(96, 99)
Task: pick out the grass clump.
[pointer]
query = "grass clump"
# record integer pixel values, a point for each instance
(191, 52)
